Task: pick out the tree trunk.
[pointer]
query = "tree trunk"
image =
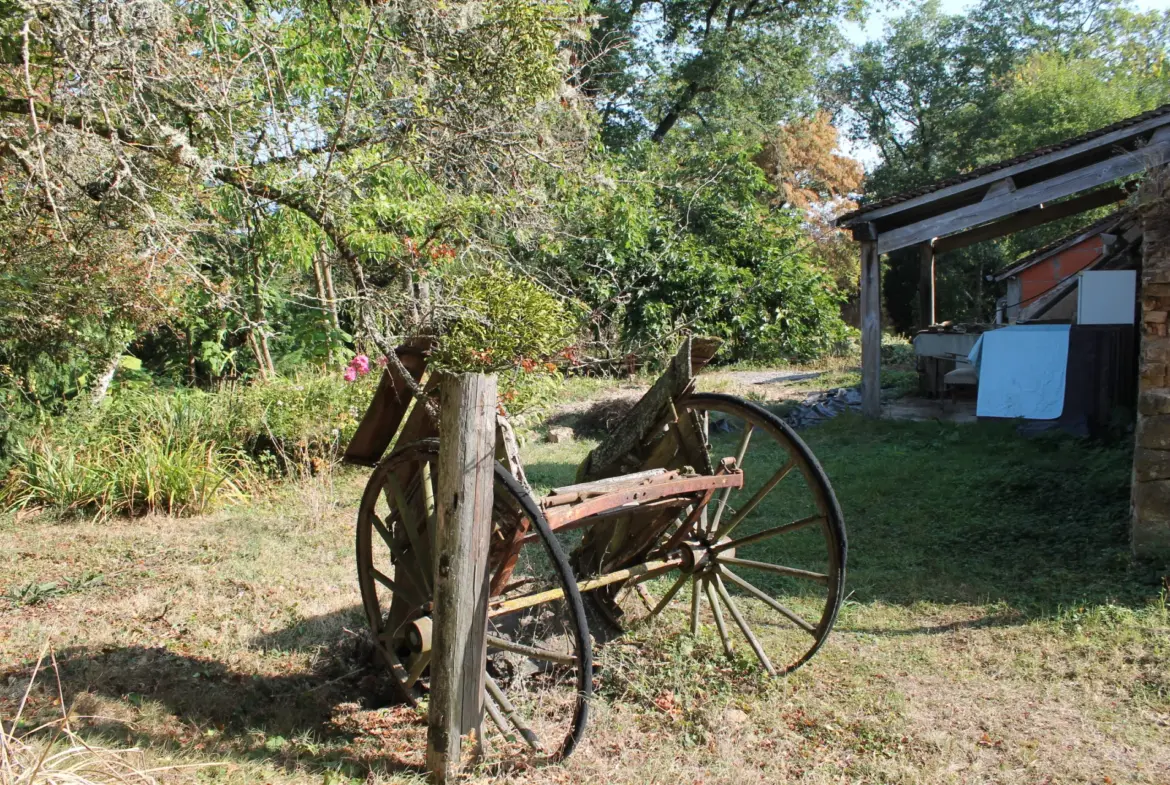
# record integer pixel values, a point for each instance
(328, 313)
(676, 110)
(102, 386)
(330, 296)
(256, 333)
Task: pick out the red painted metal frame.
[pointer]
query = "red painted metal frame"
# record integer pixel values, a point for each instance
(567, 512)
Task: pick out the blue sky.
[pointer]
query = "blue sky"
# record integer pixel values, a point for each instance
(881, 11)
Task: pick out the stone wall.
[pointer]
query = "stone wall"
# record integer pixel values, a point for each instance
(1151, 461)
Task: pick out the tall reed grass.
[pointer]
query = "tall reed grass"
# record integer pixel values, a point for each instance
(179, 451)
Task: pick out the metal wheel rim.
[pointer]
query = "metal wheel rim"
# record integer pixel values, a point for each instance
(832, 529)
(504, 481)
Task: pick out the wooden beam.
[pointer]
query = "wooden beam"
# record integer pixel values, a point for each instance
(926, 304)
(1106, 141)
(1067, 184)
(864, 232)
(462, 537)
(1000, 187)
(1045, 213)
(871, 330)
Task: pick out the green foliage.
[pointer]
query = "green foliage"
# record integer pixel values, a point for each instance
(700, 66)
(112, 476)
(659, 245)
(500, 320)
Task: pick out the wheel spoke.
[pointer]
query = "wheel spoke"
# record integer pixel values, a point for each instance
(416, 671)
(496, 642)
(382, 530)
(776, 568)
(645, 596)
(757, 497)
(666, 598)
(770, 602)
(739, 453)
(767, 534)
(510, 712)
(490, 706)
(383, 579)
(720, 625)
(429, 505)
(421, 548)
(696, 602)
(743, 626)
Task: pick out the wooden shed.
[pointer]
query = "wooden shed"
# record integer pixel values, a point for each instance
(1057, 181)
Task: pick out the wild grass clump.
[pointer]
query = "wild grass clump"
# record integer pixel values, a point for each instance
(109, 474)
(179, 451)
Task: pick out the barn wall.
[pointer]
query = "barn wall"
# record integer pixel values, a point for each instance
(1151, 464)
(1039, 278)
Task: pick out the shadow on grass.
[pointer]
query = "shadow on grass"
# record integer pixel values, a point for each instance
(303, 719)
(977, 514)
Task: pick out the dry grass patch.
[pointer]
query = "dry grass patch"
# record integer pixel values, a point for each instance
(995, 632)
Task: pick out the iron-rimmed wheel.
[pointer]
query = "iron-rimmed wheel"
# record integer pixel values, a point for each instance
(764, 564)
(539, 666)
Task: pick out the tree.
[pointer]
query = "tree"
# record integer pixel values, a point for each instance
(727, 64)
(297, 107)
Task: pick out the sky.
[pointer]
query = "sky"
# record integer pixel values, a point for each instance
(884, 9)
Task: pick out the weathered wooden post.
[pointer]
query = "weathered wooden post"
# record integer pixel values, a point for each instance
(466, 465)
(871, 330)
(926, 297)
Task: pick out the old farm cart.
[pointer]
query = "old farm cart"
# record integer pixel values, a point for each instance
(703, 512)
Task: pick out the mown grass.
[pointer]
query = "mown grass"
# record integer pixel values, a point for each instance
(995, 631)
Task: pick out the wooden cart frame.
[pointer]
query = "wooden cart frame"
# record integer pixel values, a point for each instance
(653, 499)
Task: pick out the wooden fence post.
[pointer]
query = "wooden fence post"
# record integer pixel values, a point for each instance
(466, 478)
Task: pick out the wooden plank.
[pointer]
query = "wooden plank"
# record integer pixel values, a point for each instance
(1045, 213)
(999, 187)
(1066, 184)
(608, 484)
(636, 426)
(386, 410)
(871, 330)
(1105, 142)
(466, 481)
(926, 302)
(508, 451)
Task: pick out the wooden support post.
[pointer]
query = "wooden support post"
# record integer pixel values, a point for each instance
(466, 481)
(871, 330)
(926, 284)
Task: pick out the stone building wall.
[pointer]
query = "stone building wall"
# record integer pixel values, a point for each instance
(1151, 462)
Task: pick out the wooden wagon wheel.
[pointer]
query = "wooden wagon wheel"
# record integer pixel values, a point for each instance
(539, 669)
(764, 563)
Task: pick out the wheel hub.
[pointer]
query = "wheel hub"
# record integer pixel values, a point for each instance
(696, 557)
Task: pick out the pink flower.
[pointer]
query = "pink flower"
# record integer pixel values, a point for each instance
(382, 361)
(361, 364)
(350, 374)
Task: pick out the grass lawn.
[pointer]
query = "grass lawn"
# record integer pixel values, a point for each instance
(994, 630)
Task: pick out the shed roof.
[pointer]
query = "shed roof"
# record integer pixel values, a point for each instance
(856, 216)
(1101, 226)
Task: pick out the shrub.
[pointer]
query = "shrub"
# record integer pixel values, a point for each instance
(500, 322)
(110, 476)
